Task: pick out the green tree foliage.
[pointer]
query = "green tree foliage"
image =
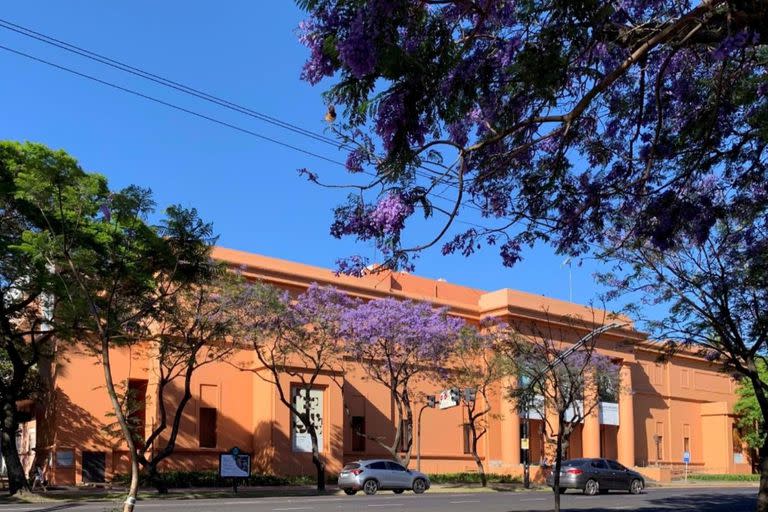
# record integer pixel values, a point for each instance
(93, 249)
(750, 419)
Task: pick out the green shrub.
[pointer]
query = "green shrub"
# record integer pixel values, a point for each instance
(472, 478)
(725, 478)
(188, 479)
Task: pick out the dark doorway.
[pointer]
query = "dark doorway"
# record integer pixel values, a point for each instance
(94, 464)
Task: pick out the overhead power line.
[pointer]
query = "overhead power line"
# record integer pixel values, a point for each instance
(166, 82)
(180, 87)
(170, 105)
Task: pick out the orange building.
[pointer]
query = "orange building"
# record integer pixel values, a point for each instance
(664, 409)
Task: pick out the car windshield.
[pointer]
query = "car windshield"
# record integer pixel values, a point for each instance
(351, 466)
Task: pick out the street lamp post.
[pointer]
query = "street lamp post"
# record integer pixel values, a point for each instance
(528, 400)
(431, 405)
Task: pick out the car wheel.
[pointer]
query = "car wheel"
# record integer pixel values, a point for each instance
(419, 486)
(635, 486)
(370, 487)
(591, 487)
(350, 492)
(398, 491)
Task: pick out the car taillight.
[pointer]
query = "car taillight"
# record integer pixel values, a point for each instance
(573, 471)
(356, 471)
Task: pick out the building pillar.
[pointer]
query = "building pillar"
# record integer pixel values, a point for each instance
(626, 435)
(590, 432)
(510, 429)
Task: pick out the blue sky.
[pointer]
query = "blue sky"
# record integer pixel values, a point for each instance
(243, 51)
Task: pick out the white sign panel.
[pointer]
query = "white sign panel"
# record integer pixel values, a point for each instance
(536, 409)
(446, 401)
(234, 466)
(575, 411)
(302, 442)
(609, 413)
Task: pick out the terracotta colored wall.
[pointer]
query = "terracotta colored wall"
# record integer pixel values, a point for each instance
(686, 390)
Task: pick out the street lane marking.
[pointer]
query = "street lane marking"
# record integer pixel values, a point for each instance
(388, 505)
(293, 508)
(534, 499)
(465, 501)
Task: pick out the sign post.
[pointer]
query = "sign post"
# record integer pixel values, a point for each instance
(686, 461)
(234, 464)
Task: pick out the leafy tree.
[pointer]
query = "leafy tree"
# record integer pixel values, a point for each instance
(193, 328)
(715, 294)
(478, 363)
(750, 419)
(32, 321)
(555, 377)
(300, 339)
(397, 343)
(118, 269)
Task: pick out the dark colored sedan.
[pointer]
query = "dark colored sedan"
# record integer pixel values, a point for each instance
(595, 476)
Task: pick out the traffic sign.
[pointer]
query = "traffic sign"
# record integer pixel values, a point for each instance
(686, 457)
(524, 443)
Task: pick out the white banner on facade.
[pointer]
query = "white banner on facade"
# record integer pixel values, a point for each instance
(301, 441)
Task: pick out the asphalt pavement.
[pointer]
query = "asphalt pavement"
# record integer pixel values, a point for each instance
(709, 499)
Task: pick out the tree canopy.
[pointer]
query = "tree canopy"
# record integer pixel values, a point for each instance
(571, 122)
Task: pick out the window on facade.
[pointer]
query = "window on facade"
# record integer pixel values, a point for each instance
(685, 378)
(467, 431)
(207, 427)
(659, 445)
(358, 433)
(137, 408)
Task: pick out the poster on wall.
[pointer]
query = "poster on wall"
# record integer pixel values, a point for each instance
(301, 440)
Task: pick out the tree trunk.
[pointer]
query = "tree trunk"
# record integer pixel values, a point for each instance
(155, 479)
(475, 455)
(17, 480)
(557, 465)
(133, 489)
(317, 460)
(762, 493)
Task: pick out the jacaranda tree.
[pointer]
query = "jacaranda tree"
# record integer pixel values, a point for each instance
(297, 342)
(555, 120)
(397, 343)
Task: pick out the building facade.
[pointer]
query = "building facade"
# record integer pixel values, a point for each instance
(664, 409)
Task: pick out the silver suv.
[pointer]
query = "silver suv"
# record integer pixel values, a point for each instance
(372, 475)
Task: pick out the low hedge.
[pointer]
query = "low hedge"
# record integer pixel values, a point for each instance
(188, 479)
(472, 478)
(725, 478)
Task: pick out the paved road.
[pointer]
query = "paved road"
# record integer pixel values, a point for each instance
(658, 499)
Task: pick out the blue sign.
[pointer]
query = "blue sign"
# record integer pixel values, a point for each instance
(687, 457)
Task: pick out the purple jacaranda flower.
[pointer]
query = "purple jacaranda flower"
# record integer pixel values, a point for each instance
(390, 213)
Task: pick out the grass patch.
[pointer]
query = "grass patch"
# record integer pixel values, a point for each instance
(725, 478)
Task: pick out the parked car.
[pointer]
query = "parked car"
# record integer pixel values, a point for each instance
(595, 476)
(373, 475)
